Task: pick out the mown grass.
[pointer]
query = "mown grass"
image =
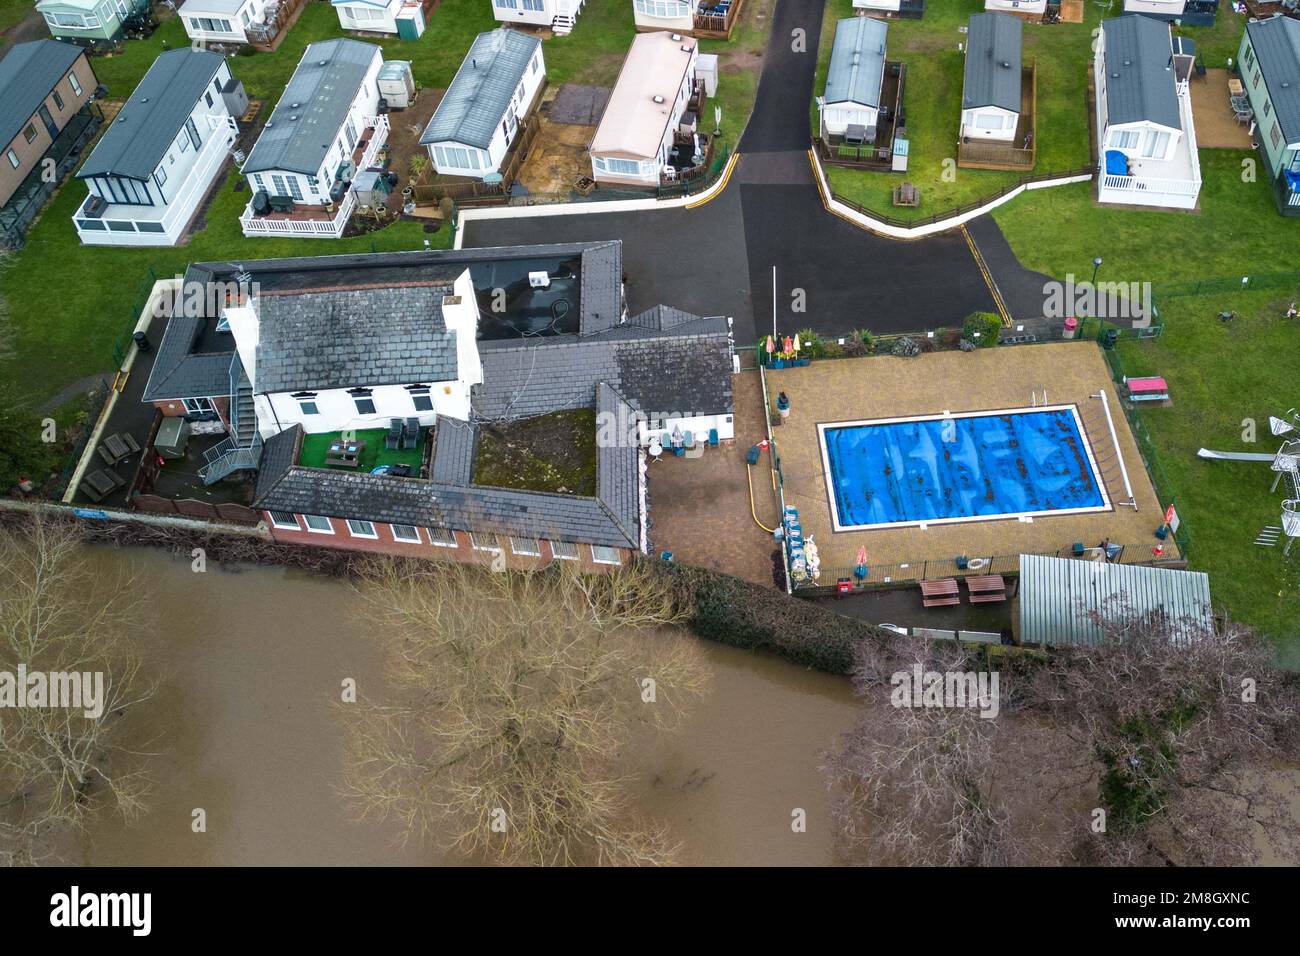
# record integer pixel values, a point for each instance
(68, 303)
(1223, 377)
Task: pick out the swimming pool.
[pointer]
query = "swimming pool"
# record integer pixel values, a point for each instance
(974, 466)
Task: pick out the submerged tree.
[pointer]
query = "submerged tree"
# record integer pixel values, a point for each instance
(61, 615)
(511, 700)
(1145, 749)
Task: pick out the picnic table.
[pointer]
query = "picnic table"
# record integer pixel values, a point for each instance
(116, 447)
(986, 588)
(345, 454)
(940, 593)
(99, 483)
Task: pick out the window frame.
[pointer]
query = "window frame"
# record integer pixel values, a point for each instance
(536, 551)
(353, 532)
(329, 525)
(575, 556)
(432, 532)
(495, 548)
(400, 540)
(277, 522)
(596, 559)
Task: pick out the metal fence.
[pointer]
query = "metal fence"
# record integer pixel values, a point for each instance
(122, 344)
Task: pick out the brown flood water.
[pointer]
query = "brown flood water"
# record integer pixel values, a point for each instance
(254, 659)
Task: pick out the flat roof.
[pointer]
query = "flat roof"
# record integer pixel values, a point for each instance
(633, 124)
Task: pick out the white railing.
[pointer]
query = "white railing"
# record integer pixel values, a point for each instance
(1292, 198)
(326, 225)
(1175, 187)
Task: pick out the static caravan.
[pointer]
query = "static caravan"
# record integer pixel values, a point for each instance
(489, 99)
(910, 9)
(850, 104)
(1269, 58)
(222, 21)
(1017, 6)
(90, 19)
(677, 16)
(559, 15)
(1188, 13)
(636, 132)
(369, 16)
(157, 160)
(991, 90)
(1146, 137)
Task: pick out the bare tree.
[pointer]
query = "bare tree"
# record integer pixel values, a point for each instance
(512, 698)
(60, 766)
(1146, 749)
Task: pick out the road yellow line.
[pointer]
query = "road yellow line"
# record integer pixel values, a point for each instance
(726, 177)
(988, 278)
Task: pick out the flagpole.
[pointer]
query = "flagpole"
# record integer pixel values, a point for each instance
(773, 302)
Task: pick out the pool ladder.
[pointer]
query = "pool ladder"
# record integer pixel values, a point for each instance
(1033, 398)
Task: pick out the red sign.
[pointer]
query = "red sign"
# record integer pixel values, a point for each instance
(1169, 515)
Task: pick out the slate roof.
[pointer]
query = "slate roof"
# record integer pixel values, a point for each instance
(475, 103)
(310, 114)
(993, 60)
(659, 375)
(141, 134)
(857, 66)
(1059, 598)
(1277, 51)
(1139, 72)
(340, 338)
(27, 74)
(179, 370)
(453, 453)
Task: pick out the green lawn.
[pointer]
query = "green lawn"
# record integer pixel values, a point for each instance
(1221, 375)
(12, 11)
(316, 447)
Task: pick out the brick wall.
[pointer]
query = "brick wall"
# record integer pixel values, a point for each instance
(386, 542)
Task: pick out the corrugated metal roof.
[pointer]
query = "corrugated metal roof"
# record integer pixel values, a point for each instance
(27, 75)
(1059, 596)
(857, 67)
(1138, 61)
(1277, 50)
(479, 94)
(993, 62)
(139, 137)
(311, 111)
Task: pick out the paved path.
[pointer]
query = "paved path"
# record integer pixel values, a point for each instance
(718, 258)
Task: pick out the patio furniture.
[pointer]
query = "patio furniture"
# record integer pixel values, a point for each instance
(656, 449)
(411, 437)
(940, 593)
(713, 438)
(905, 194)
(986, 588)
(394, 437)
(98, 484)
(344, 454)
(688, 439)
(116, 447)
(1235, 87)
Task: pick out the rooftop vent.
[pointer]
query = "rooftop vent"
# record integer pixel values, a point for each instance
(657, 98)
(1006, 65)
(676, 37)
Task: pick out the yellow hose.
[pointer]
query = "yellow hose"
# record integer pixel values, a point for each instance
(749, 479)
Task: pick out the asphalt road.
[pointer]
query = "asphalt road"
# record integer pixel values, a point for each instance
(719, 258)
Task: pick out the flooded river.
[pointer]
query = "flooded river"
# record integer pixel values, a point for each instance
(253, 660)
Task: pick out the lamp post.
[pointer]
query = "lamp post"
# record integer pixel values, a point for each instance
(1096, 264)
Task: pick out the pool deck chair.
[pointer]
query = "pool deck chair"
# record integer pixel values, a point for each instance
(411, 435)
(1151, 388)
(986, 588)
(940, 593)
(394, 437)
(713, 438)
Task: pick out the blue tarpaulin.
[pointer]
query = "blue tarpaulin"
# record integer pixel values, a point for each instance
(1116, 163)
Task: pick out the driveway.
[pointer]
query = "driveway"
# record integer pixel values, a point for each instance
(719, 257)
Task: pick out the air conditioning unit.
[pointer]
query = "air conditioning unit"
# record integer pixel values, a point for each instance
(539, 280)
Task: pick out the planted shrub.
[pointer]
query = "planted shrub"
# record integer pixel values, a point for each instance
(905, 346)
(866, 337)
(811, 344)
(987, 324)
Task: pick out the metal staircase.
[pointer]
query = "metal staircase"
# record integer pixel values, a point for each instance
(242, 450)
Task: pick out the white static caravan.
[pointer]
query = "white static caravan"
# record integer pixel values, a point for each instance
(1017, 6)
(159, 157)
(1146, 136)
(221, 21)
(991, 86)
(636, 131)
(559, 15)
(489, 98)
(677, 16)
(850, 104)
(369, 16)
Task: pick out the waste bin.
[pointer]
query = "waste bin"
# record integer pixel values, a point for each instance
(1110, 338)
(1071, 327)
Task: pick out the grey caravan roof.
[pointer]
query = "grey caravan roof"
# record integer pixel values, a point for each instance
(857, 66)
(27, 75)
(993, 62)
(1277, 51)
(1139, 72)
(313, 107)
(141, 134)
(478, 97)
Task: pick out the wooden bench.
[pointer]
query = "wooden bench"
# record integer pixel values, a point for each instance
(940, 593)
(986, 588)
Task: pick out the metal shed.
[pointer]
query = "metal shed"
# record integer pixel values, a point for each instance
(1059, 596)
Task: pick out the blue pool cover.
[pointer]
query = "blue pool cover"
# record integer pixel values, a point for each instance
(968, 468)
